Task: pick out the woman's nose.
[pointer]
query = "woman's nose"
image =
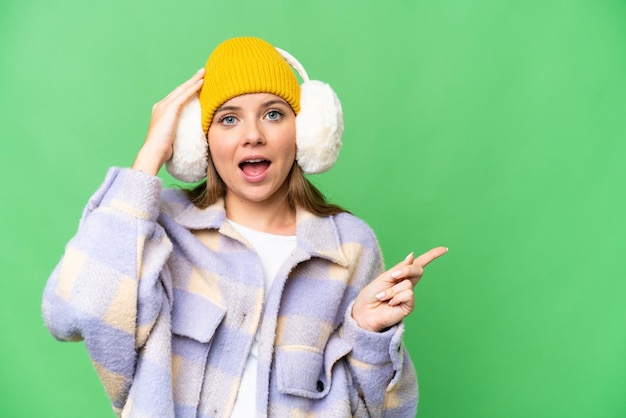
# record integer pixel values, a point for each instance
(253, 134)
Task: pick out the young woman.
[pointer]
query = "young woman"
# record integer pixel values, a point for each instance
(249, 295)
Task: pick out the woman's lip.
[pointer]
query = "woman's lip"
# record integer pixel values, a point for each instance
(254, 173)
(253, 158)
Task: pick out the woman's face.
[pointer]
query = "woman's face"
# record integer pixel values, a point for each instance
(252, 140)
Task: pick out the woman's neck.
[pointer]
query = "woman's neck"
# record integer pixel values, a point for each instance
(274, 216)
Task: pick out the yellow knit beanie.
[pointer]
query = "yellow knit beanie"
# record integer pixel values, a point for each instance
(246, 65)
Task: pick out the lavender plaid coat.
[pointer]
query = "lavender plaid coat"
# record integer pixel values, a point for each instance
(168, 297)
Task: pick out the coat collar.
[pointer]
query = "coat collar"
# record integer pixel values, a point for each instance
(317, 236)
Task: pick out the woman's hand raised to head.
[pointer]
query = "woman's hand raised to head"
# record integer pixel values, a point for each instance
(157, 148)
(389, 298)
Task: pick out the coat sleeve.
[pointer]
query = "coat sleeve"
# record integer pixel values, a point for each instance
(382, 372)
(107, 289)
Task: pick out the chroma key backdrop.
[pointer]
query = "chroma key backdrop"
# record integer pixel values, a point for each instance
(496, 128)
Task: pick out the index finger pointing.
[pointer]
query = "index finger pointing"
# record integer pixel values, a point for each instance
(425, 259)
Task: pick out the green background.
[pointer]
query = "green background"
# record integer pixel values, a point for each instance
(495, 128)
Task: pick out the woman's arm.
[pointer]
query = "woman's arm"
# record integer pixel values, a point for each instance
(112, 287)
(381, 368)
(118, 224)
(106, 290)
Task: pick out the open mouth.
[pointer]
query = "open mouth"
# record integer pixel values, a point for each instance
(253, 168)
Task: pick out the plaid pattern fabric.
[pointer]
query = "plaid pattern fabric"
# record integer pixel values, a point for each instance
(168, 298)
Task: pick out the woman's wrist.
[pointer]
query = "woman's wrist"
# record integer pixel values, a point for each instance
(363, 324)
(148, 161)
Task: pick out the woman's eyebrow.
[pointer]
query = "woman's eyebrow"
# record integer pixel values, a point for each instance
(275, 101)
(227, 108)
(268, 103)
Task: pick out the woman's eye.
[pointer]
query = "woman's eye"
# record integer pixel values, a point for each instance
(229, 120)
(274, 115)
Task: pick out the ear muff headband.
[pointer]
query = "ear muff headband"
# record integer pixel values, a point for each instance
(319, 128)
(294, 63)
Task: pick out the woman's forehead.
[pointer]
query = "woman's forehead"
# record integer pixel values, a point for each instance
(253, 99)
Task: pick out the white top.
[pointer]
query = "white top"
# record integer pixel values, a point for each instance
(273, 251)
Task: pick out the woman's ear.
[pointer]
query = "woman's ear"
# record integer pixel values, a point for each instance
(190, 147)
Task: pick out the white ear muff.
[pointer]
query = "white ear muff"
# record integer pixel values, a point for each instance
(189, 160)
(319, 125)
